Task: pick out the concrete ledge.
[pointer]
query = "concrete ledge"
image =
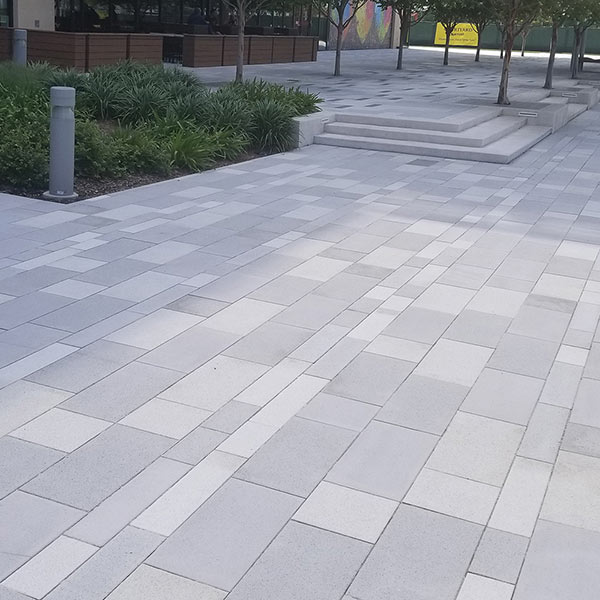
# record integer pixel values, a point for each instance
(540, 113)
(308, 126)
(580, 94)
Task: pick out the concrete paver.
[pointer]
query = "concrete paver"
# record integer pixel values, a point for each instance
(324, 374)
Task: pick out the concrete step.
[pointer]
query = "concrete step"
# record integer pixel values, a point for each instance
(456, 122)
(574, 110)
(555, 100)
(501, 151)
(478, 136)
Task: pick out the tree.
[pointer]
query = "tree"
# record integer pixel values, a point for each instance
(243, 10)
(524, 35)
(583, 14)
(514, 16)
(406, 11)
(340, 14)
(448, 13)
(479, 13)
(556, 12)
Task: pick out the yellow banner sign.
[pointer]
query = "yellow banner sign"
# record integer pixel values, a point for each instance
(463, 35)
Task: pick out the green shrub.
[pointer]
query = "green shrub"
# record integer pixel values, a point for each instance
(271, 126)
(136, 118)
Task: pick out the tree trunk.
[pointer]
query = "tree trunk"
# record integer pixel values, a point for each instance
(478, 50)
(447, 47)
(503, 90)
(403, 36)
(581, 51)
(502, 44)
(575, 55)
(239, 64)
(523, 42)
(550, 68)
(338, 47)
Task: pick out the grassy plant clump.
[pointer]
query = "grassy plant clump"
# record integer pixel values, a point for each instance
(133, 118)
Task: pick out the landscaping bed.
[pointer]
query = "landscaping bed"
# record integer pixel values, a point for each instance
(138, 124)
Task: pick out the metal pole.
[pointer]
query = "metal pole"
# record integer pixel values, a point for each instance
(19, 48)
(62, 144)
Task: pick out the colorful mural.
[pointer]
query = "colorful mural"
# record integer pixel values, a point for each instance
(371, 28)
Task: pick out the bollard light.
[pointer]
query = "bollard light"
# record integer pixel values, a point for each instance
(19, 48)
(62, 145)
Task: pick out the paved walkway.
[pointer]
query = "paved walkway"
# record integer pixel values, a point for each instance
(321, 375)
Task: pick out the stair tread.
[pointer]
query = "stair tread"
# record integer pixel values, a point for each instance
(453, 123)
(481, 131)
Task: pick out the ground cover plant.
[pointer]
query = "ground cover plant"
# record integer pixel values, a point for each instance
(139, 120)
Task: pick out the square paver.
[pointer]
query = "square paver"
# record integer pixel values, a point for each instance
(320, 563)
(500, 555)
(572, 495)
(423, 403)
(346, 511)
(297, 457)
(370, 378)
(561, 563)
(454, 362)
(476, 587)
(454, 496)
(384, 460)
(419, 552)
(524, 355)
(505, 396)
(477, 448)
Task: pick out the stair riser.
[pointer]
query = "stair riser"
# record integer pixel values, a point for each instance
(406, 148)
(421, 136)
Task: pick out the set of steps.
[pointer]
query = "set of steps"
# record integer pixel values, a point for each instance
(490, 133)
(481, 134)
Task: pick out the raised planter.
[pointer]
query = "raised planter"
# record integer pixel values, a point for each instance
(145, 47)
(283, 49)
(214, 51)
(60, 48)
(305, 49)
(203, 51)
(230, 50)
(105, 49)
(5, 43)
(260, 49)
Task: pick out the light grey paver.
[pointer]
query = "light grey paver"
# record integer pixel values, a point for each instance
(370, 378)
(114, 513)
(97, 577)
(28, 524)
(118, 394)
(319, 563)
(499, 555)
(100, 467)
(505, 396)
(222, 539)
(22, 461)
(420, 552)
(561, 563)
(148, 583)
(423, 403)
(383, 460)
(297, 457)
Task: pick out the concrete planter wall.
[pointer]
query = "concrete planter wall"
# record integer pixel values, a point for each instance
(216, 51)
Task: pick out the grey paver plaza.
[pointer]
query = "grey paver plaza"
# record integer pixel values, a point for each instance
(321, 375)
